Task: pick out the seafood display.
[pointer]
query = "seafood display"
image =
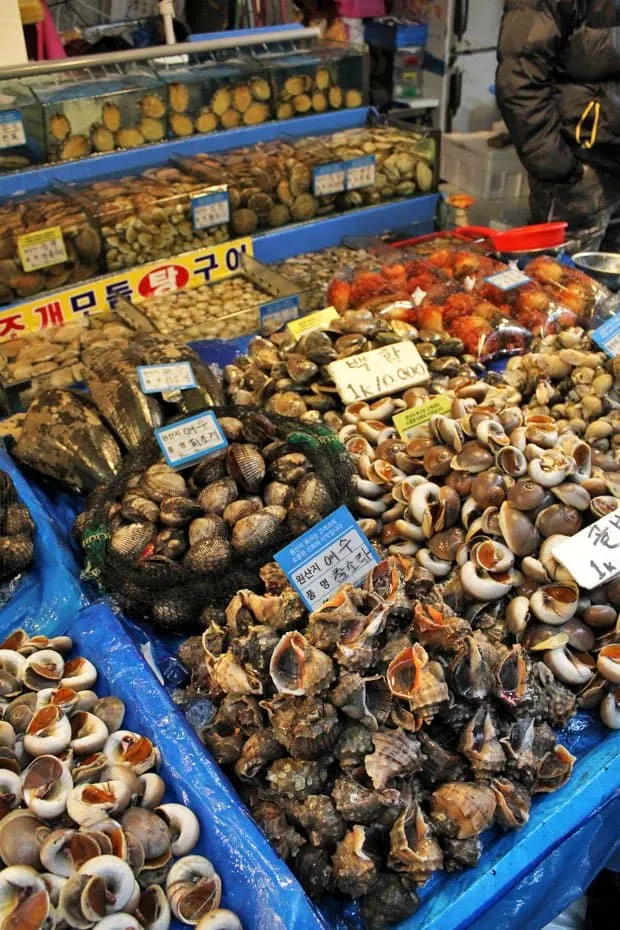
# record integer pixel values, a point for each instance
(87, 838)
(146, 217)
(210, 96)
(173, 539)
(77, 439)
(375, 739)
(221, 310)
(71, 253)
(313, 271)
(330, 79)
(21, 127)
(16, 532)
(97, 111)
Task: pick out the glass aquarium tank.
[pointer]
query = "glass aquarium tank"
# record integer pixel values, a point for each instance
(327, 77)
(89, 111)
(210, 95)
(21, 127)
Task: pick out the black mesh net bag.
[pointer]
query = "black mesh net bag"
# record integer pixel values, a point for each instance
(170, 543)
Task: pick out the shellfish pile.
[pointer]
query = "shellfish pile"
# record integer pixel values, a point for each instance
(198, 104)
(313, 271)
(301, 91)
(16, 532)
(377, 738)
(85, 836)
(82, 243)
(175, 540)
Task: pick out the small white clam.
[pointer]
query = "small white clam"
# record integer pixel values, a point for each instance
(194, 888)
(482, 585)
(572, 668)
(421, 497)
(439, 567)
(117, 877)
(43, 669)
(88, 733)
(128, 748)
(555, 603)
(153, 909)
(65, 851)
(86, 804)
(79, 674)
(24, 901)
(49, 732)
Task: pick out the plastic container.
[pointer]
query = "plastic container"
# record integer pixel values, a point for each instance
(146, 217)
(331, 77)
(21, 127)
(391, 33)
(487, 173)
(47, 241)
(100, 109)
(209, 95)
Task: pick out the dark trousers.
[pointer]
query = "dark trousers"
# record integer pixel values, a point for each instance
(591, 207)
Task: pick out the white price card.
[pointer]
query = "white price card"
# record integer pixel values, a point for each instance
(592, 555)
(332, 553)
(11, 129)
(381, 371)
(173, 376)
(42, 248)
(211, 208)
(329, 179)
(360, 172)
(506, 280)
(275, 314)
(607, 336)
(187, 441)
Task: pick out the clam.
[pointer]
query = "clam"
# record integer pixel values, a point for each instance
(127, 748)
(608, 663)
(555, 603)
(117, 880)
(46, 786)
(194, 888)
(64, 851)
(49, 732)
(88, 804)
(80, 674)
(153, 909)
(24, 899)
(43, 669)
(88, 733)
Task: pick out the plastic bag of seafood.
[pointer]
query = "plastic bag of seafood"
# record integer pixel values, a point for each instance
(147, 216)
(21, 127)
(569, 286)
(168, 542)
(47, 241)
(115, 830)
(47, 591)
(208, 95)
(99, 109)
(378, 739)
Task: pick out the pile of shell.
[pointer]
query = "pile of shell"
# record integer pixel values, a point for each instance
(174, 540)
(481, 499)
(289, 376)
(201, 106)
(82, 243)
(16, 532)
(84, 836)
(305, 91)
(313, 271)
(375, 739)
(148, 216)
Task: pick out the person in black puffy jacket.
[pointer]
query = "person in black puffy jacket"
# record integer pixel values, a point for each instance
(558, 88)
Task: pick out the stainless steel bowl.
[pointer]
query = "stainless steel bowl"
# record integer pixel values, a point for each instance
(604, 266)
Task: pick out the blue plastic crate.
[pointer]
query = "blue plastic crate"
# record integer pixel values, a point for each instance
(395, 35)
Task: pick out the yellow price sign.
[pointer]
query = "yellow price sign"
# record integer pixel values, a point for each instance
(408, 420)
(317, 320)
(42, 248)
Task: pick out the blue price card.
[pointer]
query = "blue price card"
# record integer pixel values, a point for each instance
(11, 129)
(329, 179)
(212, 208)
(507, 280)
(361, 172)
(607, 336)
(187, 441)
(333, 553)
(157, 379)
(275, 314)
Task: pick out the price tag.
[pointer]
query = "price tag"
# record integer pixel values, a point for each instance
(42, 248)
(276, 313)
(189, 440)
(11, 129)
(592, 556)
(211, 208)
(332, 553)
(381, 371)
(407, 421)
(506, 280)
(175, 376)
(307, 324)
(329, 179)
(360, 172)
(607, 336)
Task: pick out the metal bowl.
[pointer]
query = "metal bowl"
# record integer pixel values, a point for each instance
(604, 266)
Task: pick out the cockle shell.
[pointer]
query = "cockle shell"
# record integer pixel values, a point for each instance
(246, 465)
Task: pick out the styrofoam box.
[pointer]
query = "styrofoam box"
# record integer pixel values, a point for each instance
(484, 172)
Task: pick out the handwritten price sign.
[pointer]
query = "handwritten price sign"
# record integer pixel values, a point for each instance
(189, 440)
(380, 371)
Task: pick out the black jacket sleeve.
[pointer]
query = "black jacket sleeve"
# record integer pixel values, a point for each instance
(531, 38)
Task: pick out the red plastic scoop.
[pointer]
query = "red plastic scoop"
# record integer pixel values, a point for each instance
(520, 239)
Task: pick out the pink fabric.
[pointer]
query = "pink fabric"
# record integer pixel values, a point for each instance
(48, 41)
(362, 8)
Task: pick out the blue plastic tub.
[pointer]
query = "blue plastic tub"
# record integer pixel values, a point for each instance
(393, 35)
